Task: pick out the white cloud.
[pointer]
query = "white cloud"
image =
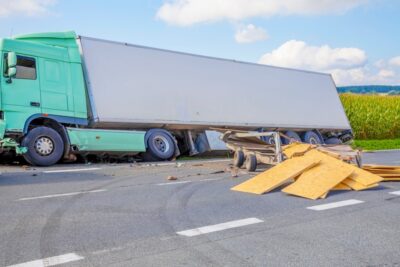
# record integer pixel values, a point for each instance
(24, 7)
(250, 34)
(385, 74)
(298, 54)
(188, 12)
(348, 66)
(395, 61)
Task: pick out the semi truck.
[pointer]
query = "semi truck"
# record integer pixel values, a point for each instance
(64, 95)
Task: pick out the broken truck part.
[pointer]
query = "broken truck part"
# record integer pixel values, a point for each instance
(63, 95)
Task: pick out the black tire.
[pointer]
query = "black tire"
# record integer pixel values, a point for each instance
(160, 146)
(251, 163)
(311, 137)
(45, 146)
(294, 137)
(333, 141)
(238, 159)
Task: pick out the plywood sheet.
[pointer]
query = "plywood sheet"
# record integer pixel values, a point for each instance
(357, 186)
(317, 181)
(295, 149)
(391, 179)
(276, 176)
(364, 177)
(341, 186)
(387, 167)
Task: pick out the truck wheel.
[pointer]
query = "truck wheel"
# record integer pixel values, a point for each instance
(251, 163)
(45, 146)
(294, 137)
(160, 145)
(311, 137)
(238, 159)
(333, 141)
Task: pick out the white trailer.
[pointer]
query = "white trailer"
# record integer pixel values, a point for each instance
(144, 87)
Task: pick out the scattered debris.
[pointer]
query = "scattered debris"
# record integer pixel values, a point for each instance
(313, 171)
(217, 172)
(234, 172)
(172, 178)
(25, 167)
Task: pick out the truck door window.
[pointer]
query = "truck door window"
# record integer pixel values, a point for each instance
(26, 68)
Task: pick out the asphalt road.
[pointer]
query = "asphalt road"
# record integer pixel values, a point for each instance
(131, 215)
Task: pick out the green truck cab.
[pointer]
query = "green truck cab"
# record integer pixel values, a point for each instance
(44, 105)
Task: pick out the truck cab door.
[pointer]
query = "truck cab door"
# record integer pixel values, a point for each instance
(21, 94)
(55, 85)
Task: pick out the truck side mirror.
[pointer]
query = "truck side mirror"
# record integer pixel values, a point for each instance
(12, 65)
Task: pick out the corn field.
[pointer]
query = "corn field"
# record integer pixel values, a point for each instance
(373, 116)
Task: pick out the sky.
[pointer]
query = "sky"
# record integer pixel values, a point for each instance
(357, 41)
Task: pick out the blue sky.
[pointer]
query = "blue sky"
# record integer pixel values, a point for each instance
(355, 40)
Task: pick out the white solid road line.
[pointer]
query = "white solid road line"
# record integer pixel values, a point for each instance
(185, 182)
(219, 227)
(336, 204)
(63, 195)
(397, 193)
(52, 261)
(72, 170)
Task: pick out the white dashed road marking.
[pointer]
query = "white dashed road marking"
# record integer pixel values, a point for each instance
(63, 195)
(219, 227)
(72, 170)
(397, 193)
(52, 261)
(336, 204)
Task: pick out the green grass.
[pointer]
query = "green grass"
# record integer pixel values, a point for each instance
(377, 144)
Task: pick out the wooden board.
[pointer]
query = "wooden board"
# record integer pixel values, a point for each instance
(276, 176)
(357, 186)
(364, 177)
(295, 149)
(319, 180)
(390, 179)
(341, 186)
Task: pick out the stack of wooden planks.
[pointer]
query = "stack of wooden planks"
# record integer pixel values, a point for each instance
(311, 173)
(388, 173)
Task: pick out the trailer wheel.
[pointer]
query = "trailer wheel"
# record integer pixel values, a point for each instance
(160, 146)
(238, 158)
(294, 137)
(45, 146)
(311, 137)
(333, 141)
(251, 163)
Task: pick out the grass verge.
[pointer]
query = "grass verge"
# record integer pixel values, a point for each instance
(377, 144)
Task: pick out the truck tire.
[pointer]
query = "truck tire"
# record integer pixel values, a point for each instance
(45, 146)
(293, 138)
(160, 146)
(311, 137)
(251, 163)
(238, 159)
(333, 141)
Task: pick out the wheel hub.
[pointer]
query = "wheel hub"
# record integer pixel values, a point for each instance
(161, 143)
(44, 146)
